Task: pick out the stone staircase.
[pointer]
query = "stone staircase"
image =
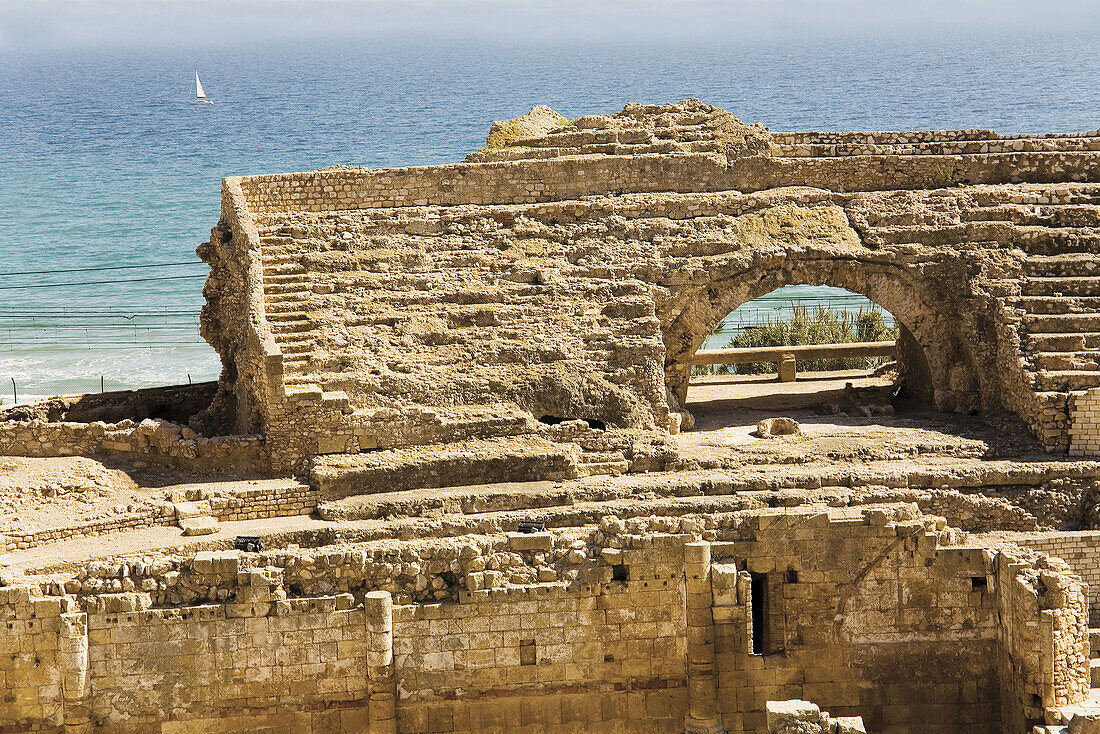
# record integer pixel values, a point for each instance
(287, 287)
(700, 132)
(1054, 298)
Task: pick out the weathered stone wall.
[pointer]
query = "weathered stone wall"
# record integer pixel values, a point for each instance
(531, 181)
(1084, 428)
(601, 655)
(218, 668)
(573, 275)
(153, 440)
(868, 612)
(1081, 549)
(31, 661)
(236, 504)
(174, 403)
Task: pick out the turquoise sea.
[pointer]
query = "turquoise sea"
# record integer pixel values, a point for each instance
(106, 163)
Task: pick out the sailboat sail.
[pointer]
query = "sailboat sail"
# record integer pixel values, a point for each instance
(199, 93)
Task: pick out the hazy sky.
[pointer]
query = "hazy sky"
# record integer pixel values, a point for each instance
(60, 24)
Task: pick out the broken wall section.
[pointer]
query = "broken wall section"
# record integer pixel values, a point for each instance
(875, 612)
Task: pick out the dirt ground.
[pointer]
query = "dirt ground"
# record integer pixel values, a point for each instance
(44, 493)
(36, 494)
(727, 409)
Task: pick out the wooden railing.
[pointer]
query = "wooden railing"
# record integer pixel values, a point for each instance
(786, 358)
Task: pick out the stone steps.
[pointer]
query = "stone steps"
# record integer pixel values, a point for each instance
(560, 504)
(1061, 323)
(905, 137)
(1066, 380)
(1066, 265)
(1055, 215)
(1062, 342)
(476, 461)
(275, 270)
(1057, 305)
(288, 319)
(283, 287)
(967, 147)
(1085, 359)
(294, 297)
(1087, 285)
(1055, 240)
(284, 307)
(1032, 239)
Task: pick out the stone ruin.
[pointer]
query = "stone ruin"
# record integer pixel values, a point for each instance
(474, 378)
(570, 272)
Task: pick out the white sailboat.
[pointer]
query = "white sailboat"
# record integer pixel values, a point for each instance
(200, 93)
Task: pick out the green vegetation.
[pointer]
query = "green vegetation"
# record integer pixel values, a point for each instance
(806, 326)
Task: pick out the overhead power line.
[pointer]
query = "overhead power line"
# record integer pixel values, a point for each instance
(98, 282)
(110, 267)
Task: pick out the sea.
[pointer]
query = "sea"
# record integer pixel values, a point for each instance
(109, 173)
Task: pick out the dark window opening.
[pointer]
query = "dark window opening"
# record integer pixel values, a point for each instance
(759, 591)
(767, 619)
(620, 572)
(978, 583)
(527, 652)
(792, 576)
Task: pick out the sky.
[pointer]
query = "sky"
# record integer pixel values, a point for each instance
(27, 25)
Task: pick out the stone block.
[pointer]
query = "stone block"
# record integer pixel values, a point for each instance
(1085, 723)
(124, 602)
(199, 526)
(785, 713)
(530, 541)
(191, 509)
(788, 367)
(849, 725)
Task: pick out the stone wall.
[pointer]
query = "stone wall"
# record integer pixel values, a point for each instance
(1084, 427)
(558, 283)
(153, 440)
(531, 181)
(217, 668)
(599, 656)
(236, 504)
(876, 612)
(32, 664)
(1080, 548)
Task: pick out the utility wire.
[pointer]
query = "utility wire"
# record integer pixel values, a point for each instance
(111, 267)
(98, 282)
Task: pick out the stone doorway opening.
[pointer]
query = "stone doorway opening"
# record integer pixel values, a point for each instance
(806, 348)
(899, 383)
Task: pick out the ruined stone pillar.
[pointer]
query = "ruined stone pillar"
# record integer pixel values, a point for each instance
(381, 677)
(702, 716)
(73, 653)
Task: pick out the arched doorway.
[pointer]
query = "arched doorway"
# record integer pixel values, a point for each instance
(938, 366)
(845, 358)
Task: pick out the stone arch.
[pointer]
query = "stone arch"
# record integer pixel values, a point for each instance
(932, 344)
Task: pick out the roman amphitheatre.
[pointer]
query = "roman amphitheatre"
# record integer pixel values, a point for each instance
(460, 473)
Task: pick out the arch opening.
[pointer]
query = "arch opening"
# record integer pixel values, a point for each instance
(807, 348)
(934, 375)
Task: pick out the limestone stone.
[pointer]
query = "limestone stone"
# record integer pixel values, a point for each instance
(200, 525)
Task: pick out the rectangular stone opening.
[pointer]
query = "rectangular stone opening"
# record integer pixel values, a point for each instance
(527, 652)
